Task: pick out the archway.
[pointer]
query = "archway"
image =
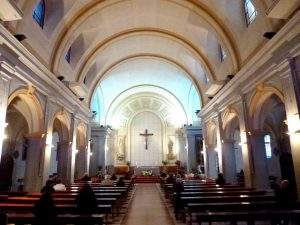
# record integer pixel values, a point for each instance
(232, 150)
(60, 147)
(274, 140)
(23, 143)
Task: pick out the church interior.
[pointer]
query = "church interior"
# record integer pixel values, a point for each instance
(149, 112)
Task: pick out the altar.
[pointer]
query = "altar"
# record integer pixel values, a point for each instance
(139, 169)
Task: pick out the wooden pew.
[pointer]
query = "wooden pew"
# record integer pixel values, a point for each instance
(250, 216)
(28, 218)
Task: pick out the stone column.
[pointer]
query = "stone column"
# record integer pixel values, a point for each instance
(182, 151)
(212, 162)
(219, 135)
(5, 78)
(245, 143)
(191, 133)
(228, 157)
(99, 135)
(88, 150)
(73, 150)
(290, 86)
(34, 166)
(63, 153)
(260, 173)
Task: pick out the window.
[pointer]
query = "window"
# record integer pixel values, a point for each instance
(39, 13)
(250, 11)
(68, 55)
(222, 53)
(268, 147)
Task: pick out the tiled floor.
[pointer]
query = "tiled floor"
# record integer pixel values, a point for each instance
(147, 207)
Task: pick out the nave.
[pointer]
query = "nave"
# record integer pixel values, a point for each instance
(148, 208)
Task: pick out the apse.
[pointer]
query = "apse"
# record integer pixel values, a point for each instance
(145, 82)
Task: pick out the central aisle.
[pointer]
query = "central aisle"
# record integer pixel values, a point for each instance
(147, 207)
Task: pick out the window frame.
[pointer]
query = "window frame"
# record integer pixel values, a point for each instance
(39, 17)
(268, 146)
(68, 56)
(249, 17)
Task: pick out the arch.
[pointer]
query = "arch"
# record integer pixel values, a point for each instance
(261, 95)
(116, 64)
(64, 126)
(228, 115)
(199, 8)
(127, 33)
(32, 106)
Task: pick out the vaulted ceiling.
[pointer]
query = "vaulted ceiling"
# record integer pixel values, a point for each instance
(103, 34)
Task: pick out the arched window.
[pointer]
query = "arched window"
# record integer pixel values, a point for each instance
(222, 53)
(39, 13)
(268, 146)
(68, 55)
(250, 11)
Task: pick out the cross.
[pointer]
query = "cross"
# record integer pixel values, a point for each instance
(146, 134)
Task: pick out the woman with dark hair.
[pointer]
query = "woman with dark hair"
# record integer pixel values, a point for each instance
(86, 200)
(3, 218)
(220, 180)
(120, 182)
(45, 210)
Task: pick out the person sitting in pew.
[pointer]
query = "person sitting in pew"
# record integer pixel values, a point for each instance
(85, 178)
(178, 188)
(120, 182)
(170, 179)
(48, 187)
(45, 210)
(107, 181)
(113, 177)
(59, 186)
(86, 200)
(3, 219)
(220, 180)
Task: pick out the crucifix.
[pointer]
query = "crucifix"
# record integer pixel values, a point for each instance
(146, 135)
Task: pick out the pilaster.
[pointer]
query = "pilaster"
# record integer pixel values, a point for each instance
(290, 86)
(229, 164)
(99, 147)
(5, 80)
(191, 133)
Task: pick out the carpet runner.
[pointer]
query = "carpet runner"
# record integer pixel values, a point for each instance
(148, 179)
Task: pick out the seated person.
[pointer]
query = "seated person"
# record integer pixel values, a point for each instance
(48, 187)
(107, 181)
(59, 186)
(170, 179)
(45, 210)
(86, 200)
(3, 218)
(113, 177)
(120, 182)
(220, 180)
(85, 178)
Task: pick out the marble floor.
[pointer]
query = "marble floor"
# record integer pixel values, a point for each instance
(147, 207)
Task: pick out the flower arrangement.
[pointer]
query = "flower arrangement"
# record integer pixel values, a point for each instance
(147, 173)
(120, 156)
(164, 162)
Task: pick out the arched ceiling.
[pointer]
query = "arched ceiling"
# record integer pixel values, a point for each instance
(104, 33)
(146, 75)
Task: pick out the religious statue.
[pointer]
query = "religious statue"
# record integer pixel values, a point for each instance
(121, 148)
(171, 155)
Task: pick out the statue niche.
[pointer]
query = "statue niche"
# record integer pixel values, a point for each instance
(121, 149)
(170, 155)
